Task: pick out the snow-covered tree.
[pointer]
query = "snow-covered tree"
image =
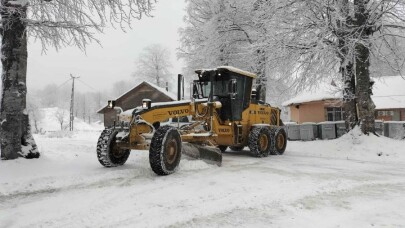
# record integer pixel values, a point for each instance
(122, 86)
(217, 33)
(230, 32)
(60, 115)
(294, 44)
(154, 65)
(54, 23)
(34, 113)
(314, 38)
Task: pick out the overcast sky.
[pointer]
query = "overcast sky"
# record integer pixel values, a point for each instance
(102, 66)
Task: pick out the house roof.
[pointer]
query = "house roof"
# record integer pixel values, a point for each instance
(324, 91)
(162, 90)
(388, 93)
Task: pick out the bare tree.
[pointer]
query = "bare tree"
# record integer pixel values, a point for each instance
(153, 64)
(55, 23)
(120, 87)
(34, 113)
(60, 115)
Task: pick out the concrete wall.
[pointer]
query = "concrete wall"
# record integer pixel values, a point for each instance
(315, 112)
(308, 112)
(399, 115)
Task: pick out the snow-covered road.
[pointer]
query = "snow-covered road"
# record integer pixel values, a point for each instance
(315, 184)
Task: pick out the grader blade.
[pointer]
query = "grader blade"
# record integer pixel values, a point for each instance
(210, 154)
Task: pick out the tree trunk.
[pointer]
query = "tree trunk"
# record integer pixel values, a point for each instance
(349, 96)
(261, 74)
(15, 131)
(365, 104)
(346, 67)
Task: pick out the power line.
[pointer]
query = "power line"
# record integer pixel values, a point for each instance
(63, 84)
(87, 85)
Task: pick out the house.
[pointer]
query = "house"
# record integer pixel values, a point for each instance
(133, 98)
(324, 103)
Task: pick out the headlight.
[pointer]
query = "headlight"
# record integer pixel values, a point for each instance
(111, 104)
(146, 104)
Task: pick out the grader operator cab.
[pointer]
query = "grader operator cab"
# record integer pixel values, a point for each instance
(225, 112)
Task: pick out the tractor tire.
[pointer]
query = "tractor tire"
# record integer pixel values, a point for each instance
(108, 153)
(279, 142)
(222, 148)
(236, 148)
(165, 150)
(260, 142)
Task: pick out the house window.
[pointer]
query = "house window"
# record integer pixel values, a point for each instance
(334, 114)
(385, 113)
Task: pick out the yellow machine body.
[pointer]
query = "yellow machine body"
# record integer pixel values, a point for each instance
(223, 132)
(223, 111)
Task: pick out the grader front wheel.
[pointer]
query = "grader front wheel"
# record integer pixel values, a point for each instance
(108, 152)
(165, 150)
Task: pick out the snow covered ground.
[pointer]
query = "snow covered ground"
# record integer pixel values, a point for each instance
(51, 117)
(337, 183)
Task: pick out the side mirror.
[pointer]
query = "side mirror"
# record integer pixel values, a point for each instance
(233, 88)
(111, 104)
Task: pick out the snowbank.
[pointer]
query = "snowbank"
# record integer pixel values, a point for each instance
(51, 116)
(353, 145)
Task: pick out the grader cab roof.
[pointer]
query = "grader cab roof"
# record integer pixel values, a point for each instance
(229, 69)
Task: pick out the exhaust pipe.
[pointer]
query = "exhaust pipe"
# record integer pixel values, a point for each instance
(180, 87)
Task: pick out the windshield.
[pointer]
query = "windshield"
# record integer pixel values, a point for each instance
(203, 89)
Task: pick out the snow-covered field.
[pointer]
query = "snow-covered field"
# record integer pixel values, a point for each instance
(339, 183)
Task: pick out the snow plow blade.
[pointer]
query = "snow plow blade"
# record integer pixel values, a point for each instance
(209, 154)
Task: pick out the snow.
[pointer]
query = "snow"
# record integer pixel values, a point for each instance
(163, 90)
(388, 93)
(50, 122)
(232, 69)
(324, 91)
(18, 2)
(239, 71)
(334, 183)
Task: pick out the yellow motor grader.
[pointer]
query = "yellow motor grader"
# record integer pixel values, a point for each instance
(225, 112)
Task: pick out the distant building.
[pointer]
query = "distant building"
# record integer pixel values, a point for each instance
(133, 98)
(324, 103)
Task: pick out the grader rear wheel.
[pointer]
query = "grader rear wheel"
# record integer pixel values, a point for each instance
(280, 141)
(259, 141)
(165, 150)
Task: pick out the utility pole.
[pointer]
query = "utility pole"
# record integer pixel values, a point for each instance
(72, 99)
